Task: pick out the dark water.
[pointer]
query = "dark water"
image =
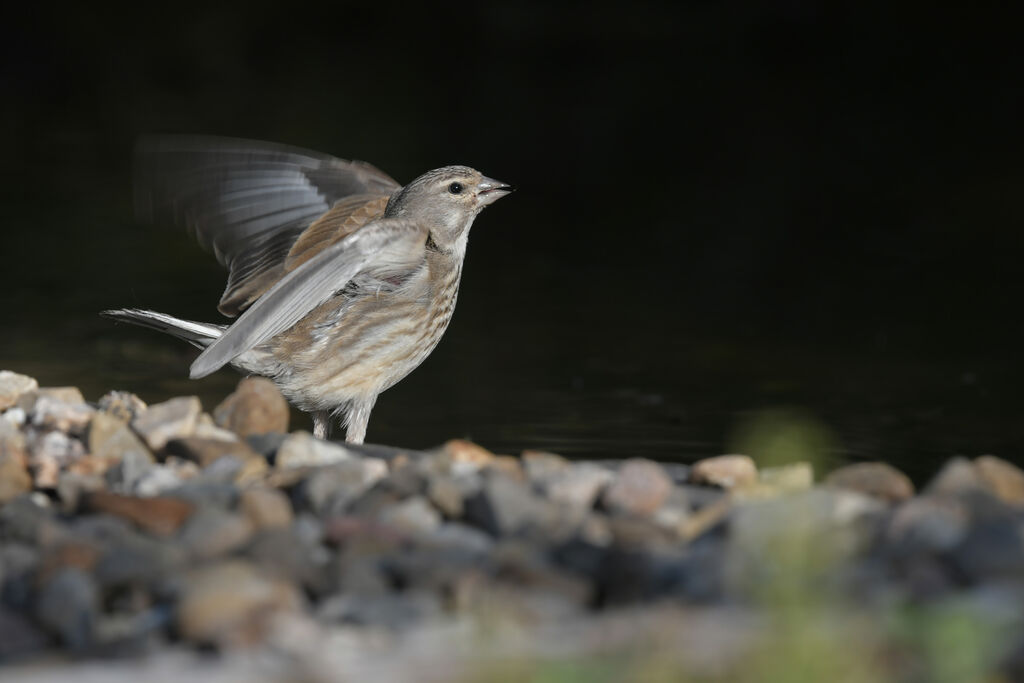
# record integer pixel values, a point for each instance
(724, 209)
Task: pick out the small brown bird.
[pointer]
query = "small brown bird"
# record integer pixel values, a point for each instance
(342, 280)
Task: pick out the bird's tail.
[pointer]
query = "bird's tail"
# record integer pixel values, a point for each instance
(198, 334)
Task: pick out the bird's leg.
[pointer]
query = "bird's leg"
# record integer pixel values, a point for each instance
(357, 415)
(322, 424)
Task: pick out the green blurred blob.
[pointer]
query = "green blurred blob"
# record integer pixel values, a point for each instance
(779, 436)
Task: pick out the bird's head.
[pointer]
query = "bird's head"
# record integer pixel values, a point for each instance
(447, 200)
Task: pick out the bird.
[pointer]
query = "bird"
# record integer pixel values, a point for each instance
(341, 281)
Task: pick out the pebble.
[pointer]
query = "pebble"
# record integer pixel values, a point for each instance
(13, 386)
(725, 471)
(639, 488)
(505, 506)
(211, 532)
(72, 395)
(49, 452)
(1004, 479)
(957, 477)
(68, 606)
(932, 524)
(578, 486)
(330, 489)
(203, 451)
(413, 516)
(877, 479)
(171, 419)
(123, 405)
(302, 449)
(230, 604)
(14, 477)
(49, 412)
(255, 407)
(266, 508)
(158, 515)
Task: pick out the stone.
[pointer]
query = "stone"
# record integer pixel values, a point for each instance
(255, 407)
(156, 480)
(541, 466)
(30, 519)
(73, 486)
(446, 494)
(725, 471)
(639, 488)
(414, 516)
(102, 427)
(136, 560)
(13, 386)
(957, 477)
(466, 456)
(505, 506)
(578, 486)
(877, 479)
(15, 416)
(1004, 479)
(127, 472)
(49, 453)
(27, 400)
(206, 428)
(14, 478)
(211, 532)
(796, 476)
(171, 419)
(392, 611)
(330, 489)
(68, 606)
(230, 604)
(49, 412)
(302, 449)
(158, 515)
(19, 637)
(204, 451)
(266, 508)
(280, 553)
(123, 405)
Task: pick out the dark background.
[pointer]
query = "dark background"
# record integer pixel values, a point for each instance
(723, 208)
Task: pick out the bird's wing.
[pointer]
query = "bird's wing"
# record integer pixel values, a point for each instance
(244, 200)
(387, 245)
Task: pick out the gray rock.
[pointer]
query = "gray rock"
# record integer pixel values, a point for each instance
(171, 419)
(136, 560)
(123, 405)
(24, 519)
(1004, 479)
(125, 475)
(929, 524)
(393, 611)
(27, 400)
(726, 471)
(68, 606)
(49, 453)
(156, 480)
(18, 564)
(72, 487)
(280, 553)
(302, 449)
(205, 451)
(14, 477)
(577, 486)
(541, 466)
(639, 488)
(505, 506)
(957, 477)
(49, 412)
(329, 490)
(446, 494)
(877, 479)
(211, 532)
(413, 516)
(13, 386)
(19, 637)
(255, 407)
(15, 416)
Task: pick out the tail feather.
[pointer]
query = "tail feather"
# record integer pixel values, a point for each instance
(198, 334)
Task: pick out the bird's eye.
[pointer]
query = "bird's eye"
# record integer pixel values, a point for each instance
(455, 188)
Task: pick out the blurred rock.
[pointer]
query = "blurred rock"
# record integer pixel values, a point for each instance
(27, 401)
(466, 456)
(159, 515)
(211, 532)
(14, 478)
(541, 466)
(330, 489)
(413, 516)
(577, 486)
(932, 524)
(49, 452)
(123, 405)
(19, 637)
(133, 466)
(204, 451)
(230, 604)
(302, 449)
(958, 476)
(446, 494)
(255, 407)
(726, 471)
(266, 508)
(505, 506)
(68, 606)
(171, 419)
(72, 486)
(639, 488)
(876, 479)
(12, 386)
(49, 412)
(1004, 479)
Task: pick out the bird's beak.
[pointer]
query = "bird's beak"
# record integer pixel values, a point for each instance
(489, 190)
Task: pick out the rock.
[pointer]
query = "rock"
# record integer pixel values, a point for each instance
(211, 532)
(171, 419)
(156, 480)
(13, 386)
(725, 471)
(19, 637)
(639, 488)
(29, 519)
(266, 508)
(541, 466)
(876, 479)
(993, 548)
(931, 524)
(204, 451)
(255, 407)
(73, 486)
(331, 489)
(797, 476)
(958, 476)
(505, 506)
(413, 516)
(159, 515)
(446, 494)
(123, 405)
(466, 456)
(14, 478)
(127, 472)
(1004, 479)
(49, 453)
(206, 428)
(102, 427)
(393, 611)
(281, 553)
(49, 412)
(15, 416)
(136, 560)
(230, 604)
(68, 606)
(302, 449)
(578, 486)
(27, 400)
